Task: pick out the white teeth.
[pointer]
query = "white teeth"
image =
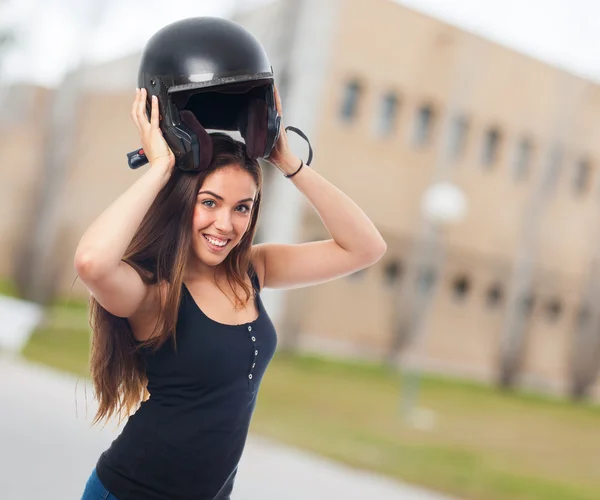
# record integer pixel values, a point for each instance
(216, 242)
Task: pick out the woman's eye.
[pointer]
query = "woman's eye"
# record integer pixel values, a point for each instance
(244, 209)
(207, 203)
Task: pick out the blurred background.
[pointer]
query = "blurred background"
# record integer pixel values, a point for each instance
(466, 361)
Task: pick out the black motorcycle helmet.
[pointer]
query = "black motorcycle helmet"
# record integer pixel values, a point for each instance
(208, 73)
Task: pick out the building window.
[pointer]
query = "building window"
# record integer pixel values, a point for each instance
(386, 118)
(582, 175)
(491, 147)
(458, 136)
(460, 288)
(553, 309)
(555, 165)
(392, 272)
(350, 99)
(423, 125)
(494, 295)
(522, 159)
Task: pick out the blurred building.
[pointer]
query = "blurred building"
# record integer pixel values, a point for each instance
(391, 100)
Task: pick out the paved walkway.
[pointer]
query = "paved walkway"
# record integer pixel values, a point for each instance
(47, 449)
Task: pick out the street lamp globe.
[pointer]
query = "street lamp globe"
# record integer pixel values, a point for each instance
(444, 203)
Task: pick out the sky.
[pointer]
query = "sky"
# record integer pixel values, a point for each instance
(54, 34)
(563, 33)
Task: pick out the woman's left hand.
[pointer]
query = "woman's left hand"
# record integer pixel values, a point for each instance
(281, 155)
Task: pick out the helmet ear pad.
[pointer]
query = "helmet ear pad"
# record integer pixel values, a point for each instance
(205, 144)
(259, 126)
(254, 128)
(273, 129)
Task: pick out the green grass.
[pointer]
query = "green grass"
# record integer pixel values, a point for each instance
(63, 341)
(486, 445)
(7, 287)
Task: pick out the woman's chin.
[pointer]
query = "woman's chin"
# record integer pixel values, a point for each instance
(208, 258)
(209, 255)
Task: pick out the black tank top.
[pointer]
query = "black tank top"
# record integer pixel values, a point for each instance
(185, 441)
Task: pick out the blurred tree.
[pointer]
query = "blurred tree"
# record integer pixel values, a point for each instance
(10, 38)
(7, 37)
(584, 362)
(37, 269)
(516, 315)
(7, 40)
(414, 294)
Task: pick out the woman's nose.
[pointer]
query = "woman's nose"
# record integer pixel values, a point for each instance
(223, 222)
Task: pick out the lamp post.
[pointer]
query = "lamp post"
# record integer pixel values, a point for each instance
(442, 205)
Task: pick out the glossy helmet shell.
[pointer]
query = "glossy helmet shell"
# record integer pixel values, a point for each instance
(210, 73)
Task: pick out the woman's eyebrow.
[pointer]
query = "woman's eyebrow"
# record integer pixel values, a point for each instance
(212, 194)
(221, 198)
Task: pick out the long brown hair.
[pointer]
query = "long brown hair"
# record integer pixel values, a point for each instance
(158, 252)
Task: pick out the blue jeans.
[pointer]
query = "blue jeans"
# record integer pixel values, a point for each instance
(95, 490)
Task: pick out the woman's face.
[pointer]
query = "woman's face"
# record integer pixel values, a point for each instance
(222, 213)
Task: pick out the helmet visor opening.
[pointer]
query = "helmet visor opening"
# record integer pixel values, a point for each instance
(220, 107)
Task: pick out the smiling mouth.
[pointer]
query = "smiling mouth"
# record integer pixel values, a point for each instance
(216, 243)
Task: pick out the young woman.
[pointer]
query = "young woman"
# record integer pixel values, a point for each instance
(178, 324)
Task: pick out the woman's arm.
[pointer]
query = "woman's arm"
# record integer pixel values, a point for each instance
(115, 284)
(356, 243)
(104, 243)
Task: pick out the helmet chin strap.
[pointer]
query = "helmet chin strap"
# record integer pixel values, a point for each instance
(303, 135)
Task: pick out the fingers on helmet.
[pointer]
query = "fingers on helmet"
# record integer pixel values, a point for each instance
(141, 111)
(154, 115)
(134, 108)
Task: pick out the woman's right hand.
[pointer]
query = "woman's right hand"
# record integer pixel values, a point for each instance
(155, 147)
